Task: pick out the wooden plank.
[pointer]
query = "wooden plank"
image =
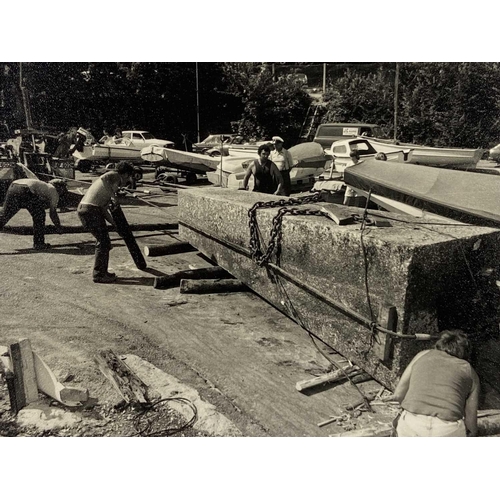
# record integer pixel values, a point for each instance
(327, 378)
(24, 372)
(212, 286)
(168, 249)
(174, 280)
(131, 388)
(387, 318)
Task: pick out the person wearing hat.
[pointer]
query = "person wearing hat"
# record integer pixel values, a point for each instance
(282, 158)
(351, 198)
(35, 196)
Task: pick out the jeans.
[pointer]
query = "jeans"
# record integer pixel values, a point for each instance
(93, 219)
(18, 197)
(413, 425)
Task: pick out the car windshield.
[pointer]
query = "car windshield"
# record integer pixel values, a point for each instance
(148, 135)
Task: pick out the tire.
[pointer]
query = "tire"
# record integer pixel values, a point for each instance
(138, 174)
(191, 178)
(84, 166)
(214, 154)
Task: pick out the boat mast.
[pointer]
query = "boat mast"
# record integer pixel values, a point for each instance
(396, 90)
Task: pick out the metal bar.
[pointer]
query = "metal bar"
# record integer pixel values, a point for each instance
(360, 319)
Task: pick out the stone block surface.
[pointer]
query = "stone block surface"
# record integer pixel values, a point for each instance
(430, 273)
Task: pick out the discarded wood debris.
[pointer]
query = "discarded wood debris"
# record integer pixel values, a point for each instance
(328, 378)
(212, 286)
(48, 384)
(125, 381)
(26, 390)
(174, 280)
(169, 249)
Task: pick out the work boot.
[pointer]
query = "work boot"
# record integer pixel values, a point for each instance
(42, 246)
(107, 278)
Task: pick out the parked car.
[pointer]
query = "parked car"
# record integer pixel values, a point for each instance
(142, 138)
(212, 141)
(494, 154)
(237, 146)
(328, 133)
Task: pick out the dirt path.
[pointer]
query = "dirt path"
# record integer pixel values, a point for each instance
(237, 351)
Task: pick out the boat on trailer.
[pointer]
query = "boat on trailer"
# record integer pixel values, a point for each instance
(432, 156)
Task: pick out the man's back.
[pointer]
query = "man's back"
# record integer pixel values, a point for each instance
(102, 190)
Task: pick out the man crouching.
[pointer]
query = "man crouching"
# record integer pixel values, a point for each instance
(93, 211)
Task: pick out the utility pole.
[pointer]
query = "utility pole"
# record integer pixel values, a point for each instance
(197, 104)
(24, 94)
(396, 97)
(324, 78)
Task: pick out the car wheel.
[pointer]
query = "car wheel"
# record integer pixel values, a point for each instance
(138, 174)
(214, 154)
(191, 178)
(84, 166)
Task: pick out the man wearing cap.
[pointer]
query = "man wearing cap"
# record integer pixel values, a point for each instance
(282, 158)
(35, 196)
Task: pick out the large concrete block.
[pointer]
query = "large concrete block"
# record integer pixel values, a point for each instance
(430, 272)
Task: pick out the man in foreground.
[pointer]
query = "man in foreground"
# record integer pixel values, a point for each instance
(35, 196)
(93, 211)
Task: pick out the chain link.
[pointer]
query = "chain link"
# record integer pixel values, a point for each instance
(286, 207)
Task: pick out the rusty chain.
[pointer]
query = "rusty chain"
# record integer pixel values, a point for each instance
(286, 208)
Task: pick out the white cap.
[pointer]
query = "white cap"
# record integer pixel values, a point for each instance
(277, 138)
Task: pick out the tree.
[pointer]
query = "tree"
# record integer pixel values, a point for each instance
(361, 98)
(270, 106)
(440, 104)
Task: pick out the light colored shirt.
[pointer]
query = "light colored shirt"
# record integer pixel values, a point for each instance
(45, 191)
(282, 159)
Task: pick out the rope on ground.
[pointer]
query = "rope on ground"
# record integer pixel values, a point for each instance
(145, 420)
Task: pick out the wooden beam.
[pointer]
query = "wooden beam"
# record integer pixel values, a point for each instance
(212, 286)
(131, 388)
(388, 319)
(168, 249)
(327, 378)
(174, 280)
(23, 367)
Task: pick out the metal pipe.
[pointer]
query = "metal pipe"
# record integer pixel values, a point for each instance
(359, 318)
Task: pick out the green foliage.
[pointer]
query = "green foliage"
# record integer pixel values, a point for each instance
(271, 106)
(159, 97)
(362, 98)
(440, 104)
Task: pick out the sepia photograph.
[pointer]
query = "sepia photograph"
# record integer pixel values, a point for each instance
(205, 249)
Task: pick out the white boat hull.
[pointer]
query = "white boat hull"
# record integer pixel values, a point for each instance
(433, 157)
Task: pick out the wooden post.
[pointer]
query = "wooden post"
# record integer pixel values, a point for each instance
(387, 318)
(169, 249)
(173, 280)
(212, 286)
(23, 368)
